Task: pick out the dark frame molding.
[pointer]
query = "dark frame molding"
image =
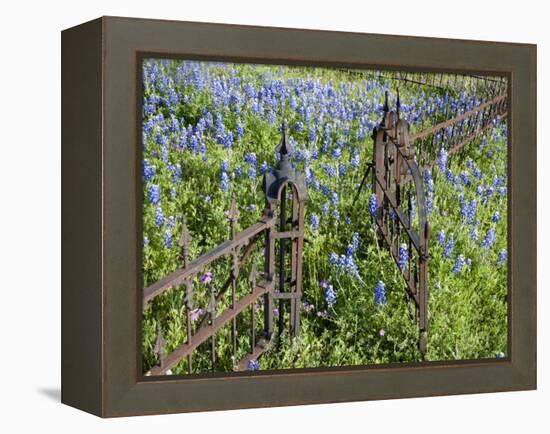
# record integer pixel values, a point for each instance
(101, 216)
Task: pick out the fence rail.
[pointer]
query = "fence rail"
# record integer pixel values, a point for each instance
(277, 227)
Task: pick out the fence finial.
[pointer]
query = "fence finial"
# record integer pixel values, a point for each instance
(398, 104)
(233, 213)
(184, 241)
(283, 148)
(253, 276)
(159, 345)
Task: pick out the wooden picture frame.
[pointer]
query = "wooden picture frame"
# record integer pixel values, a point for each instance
(101, 298)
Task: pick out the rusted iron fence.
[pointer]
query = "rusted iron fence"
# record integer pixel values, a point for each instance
(453, 134)
(401, 218)
(399, 161)
(281, 224)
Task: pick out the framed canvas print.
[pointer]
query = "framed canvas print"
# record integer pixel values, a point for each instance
(259, 216)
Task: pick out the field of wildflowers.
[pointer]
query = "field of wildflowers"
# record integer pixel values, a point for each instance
(210, 131)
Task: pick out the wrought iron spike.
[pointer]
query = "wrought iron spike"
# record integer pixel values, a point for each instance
(253, 275)
(398, 104)
(386, 104)
(283, 147)
(211, 308)
(188, 300)
(185, 237)
(159, 345)
(233, 211)
(235, 265)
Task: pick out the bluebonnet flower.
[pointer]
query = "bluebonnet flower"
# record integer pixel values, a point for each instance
(337, 153)
(314, 221)
(379, 293)
(489, 240)
(225, 166)
(477, 173)
(502, 257)
(176, 172)
(194, 144)
(459, 264)
(171, 222)
(148, 170)
(252, 173)
(325, 208)
(330, 295)
(265, 168)
(429, 203)
(474, 234)
(227, 140)
(345, 263)
(336, 214)
(253, 365)
(442, 159)
(240, 129)
(468, 210)
(159, 217)
(299, 127)
(153, 194)
(325, 190)
(353, 246)
(334, 198)
(496, 217)
(441, 237)
(224, 182)
(479, 190)
(373, 205)
(312, 134)
(354, 163)
(238, 171)
(347, 220)
(403, 257)
(167, 239)
(342, 169)
(464, 176)
(448, 249)
(333, 259)
(315, 153)
(329, 170)
(483, 143)
(428, 180)
(250, 158)
(499, 355)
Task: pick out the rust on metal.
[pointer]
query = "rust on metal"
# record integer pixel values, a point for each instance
(177, 277)
(208, 331)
